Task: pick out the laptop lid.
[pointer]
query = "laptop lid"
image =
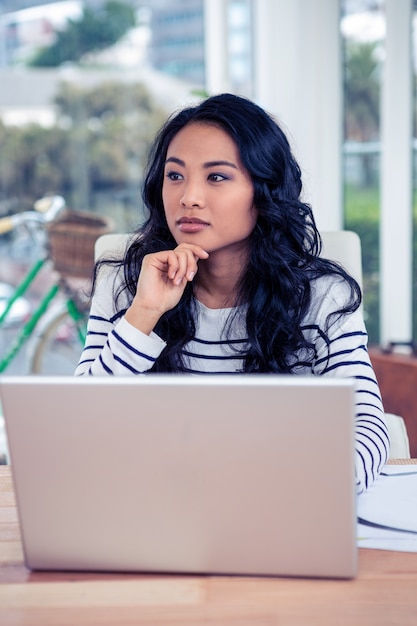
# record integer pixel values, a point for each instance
(222, 474)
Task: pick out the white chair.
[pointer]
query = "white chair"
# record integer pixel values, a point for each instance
(111, 243)
(342, 246)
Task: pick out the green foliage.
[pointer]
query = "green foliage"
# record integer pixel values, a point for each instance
(100, 144)
(361, 117)
(32, 160)
(362, 216)
(361, 91)
(96, 30)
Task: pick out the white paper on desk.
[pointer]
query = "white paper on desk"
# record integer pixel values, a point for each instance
(391, 501)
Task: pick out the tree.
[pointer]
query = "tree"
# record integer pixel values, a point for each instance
(95, 30)
(362, 91)
(362, 96)
(98, 146)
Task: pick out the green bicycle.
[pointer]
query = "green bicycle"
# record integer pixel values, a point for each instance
(54, 333)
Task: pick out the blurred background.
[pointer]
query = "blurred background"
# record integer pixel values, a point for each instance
(84, 85)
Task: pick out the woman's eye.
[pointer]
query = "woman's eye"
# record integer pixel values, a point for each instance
(217, 178)
(173, 176)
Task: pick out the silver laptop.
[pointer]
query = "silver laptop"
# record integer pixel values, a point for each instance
(221, 474)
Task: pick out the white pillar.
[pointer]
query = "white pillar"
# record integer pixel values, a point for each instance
(396, 176)
(216, 47)
(298, 78)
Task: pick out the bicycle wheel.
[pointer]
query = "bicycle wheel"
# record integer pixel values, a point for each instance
(55, 348)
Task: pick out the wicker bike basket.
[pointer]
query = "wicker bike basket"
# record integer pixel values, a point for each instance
(71, 241)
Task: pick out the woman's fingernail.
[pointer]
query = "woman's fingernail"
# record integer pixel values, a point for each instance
(191, 275)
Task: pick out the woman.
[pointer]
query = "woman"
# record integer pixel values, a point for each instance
(225, 275)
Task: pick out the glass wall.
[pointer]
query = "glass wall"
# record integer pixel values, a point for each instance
(80, 103)
(79, 106)
(81, 100)
(363, 32)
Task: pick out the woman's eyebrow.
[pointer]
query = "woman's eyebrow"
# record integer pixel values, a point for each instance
(217, 163)
(207, 165)
(175, 160)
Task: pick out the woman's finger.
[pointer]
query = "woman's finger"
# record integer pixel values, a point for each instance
(185, 263)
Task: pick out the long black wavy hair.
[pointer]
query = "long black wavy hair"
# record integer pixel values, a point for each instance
(284, 245)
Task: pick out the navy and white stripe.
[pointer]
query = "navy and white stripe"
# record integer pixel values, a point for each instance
(114, 347)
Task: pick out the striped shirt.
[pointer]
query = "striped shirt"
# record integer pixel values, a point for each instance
(115, 347)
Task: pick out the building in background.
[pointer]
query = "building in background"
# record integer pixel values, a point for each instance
(177, 38)
(178, 46)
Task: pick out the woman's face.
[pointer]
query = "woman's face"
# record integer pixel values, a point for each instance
(207, 192)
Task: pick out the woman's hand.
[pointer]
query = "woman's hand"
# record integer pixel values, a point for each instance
(161, 283)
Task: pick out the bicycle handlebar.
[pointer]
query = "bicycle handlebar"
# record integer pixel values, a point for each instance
(6, 225)
(46, 210)
(26, 217)
(50, 206)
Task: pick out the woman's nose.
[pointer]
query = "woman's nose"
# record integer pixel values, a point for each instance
(193, 196)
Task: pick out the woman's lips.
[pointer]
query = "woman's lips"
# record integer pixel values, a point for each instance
(191, 225)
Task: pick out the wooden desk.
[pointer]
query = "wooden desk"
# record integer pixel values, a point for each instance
(384, 594)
